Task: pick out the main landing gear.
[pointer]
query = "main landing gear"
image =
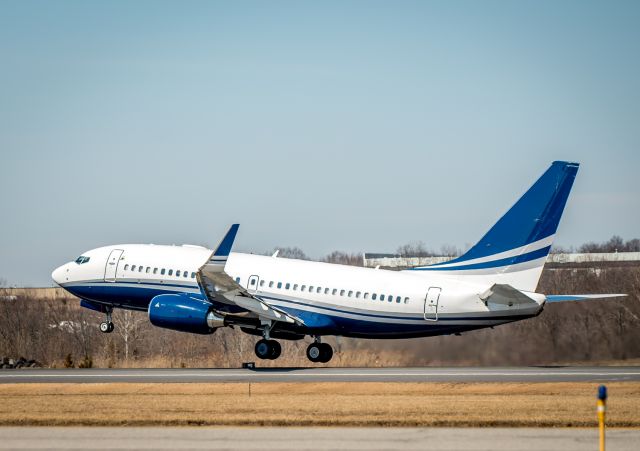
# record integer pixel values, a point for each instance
(319, 352)
(106, 327)
(268, 349)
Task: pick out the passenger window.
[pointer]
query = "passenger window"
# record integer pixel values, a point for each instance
(318, 290)
(398, 299)
(271, 284)
(310, 288)
(193, 275)
(382, 297)
(374, 296)
(171, 272)
(286, 287)
(366, 295)
(162, 272)
(295, 287)
(148, 269)
(237, 279)
(358, 295)
(334, 291)
(262, 283)
(253, 282)
(140, 268)
(341, 292)
(390, 298)
(133, 267)
(406, 300)
(303, 288)
(155, 270)
(350, 293)
(178, 273)
(279, 284)
(185, 274)
(126, 267)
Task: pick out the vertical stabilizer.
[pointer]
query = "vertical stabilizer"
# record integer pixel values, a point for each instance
(515, 249)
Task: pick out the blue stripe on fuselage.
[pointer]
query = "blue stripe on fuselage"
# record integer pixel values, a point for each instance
(139, 296)
(534, 255)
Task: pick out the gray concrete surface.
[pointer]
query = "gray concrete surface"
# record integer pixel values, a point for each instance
(507, 374)
(493, 439)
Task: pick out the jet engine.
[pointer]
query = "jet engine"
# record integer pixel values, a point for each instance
(184, 313)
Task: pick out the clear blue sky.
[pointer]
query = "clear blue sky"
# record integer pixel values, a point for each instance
(356, 126)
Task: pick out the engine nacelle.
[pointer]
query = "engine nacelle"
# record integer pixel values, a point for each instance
(184, 313)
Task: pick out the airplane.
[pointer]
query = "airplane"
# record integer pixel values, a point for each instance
(198, 290)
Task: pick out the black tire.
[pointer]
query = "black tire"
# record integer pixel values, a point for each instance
(263, 349)
(276, 349)
(105, 328)
(314, 352)
(326, 352)
(111, 327)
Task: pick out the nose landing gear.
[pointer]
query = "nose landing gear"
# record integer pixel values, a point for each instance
(106, 327)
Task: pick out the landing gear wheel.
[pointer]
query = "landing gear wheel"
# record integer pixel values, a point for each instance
(106, 327)
(263, 350)
(276, 349)
(268, 349)
(319, 352)
(314, 352)
(326, 352)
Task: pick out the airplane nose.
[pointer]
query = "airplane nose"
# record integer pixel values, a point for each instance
(59, 274)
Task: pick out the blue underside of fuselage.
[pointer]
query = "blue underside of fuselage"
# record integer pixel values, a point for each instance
(333, 322)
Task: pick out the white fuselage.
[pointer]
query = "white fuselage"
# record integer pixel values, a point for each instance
(337, 299)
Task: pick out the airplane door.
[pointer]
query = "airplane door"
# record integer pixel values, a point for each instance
(431, 304)
(252, 283)
(111, 267)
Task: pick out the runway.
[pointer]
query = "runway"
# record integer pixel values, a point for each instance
(474, 439)
(440, 374)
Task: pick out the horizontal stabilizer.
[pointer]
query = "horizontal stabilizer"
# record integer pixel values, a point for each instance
(580, 297)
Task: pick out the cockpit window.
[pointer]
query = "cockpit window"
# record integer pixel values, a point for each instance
(82, 259)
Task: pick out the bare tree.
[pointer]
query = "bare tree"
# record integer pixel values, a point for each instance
(415, 249)
(291, 252)
(344, 258)
(130, 329)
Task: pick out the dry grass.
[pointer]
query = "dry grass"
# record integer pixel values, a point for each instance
(317, 404)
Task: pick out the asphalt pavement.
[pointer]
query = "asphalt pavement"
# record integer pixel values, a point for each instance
(248, 438)
(440, 374)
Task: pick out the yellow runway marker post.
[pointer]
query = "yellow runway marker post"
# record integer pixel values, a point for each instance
(602, 407)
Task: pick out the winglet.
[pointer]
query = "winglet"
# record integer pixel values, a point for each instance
(219, 256)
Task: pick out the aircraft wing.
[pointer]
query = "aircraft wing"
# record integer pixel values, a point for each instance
(218, 286)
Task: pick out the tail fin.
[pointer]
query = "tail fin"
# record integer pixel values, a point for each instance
(515, 249)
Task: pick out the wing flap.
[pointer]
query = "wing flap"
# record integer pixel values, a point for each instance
(218, 286)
